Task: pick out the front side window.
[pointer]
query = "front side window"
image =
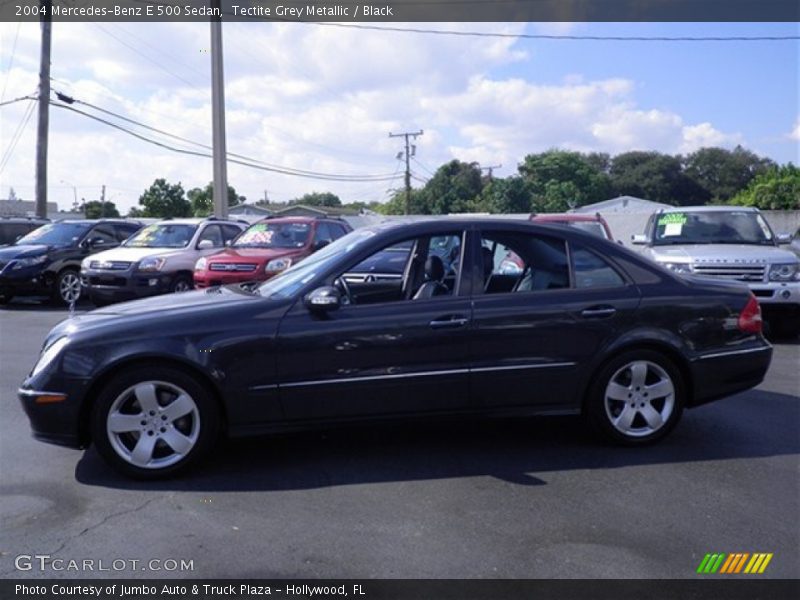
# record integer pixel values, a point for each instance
(56, 234)
(213, 234)
(162, 235)
(521, 262)
(274, 235)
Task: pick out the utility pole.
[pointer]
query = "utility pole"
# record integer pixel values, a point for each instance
(103, 202)
(218, 118)
(406, 135)
(44, 110)
(490, 170)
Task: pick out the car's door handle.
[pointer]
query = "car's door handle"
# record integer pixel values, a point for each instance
(449, 322)
(598, 312)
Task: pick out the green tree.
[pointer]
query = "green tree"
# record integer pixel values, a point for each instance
(453, 188)
(163, 200)
(326, 199)
(655, 176)
(202, 199)
(397, 204)
(506, 195)
(723, 173)
(559, 180)
(776, 189)
(135, 212)
(95, 209)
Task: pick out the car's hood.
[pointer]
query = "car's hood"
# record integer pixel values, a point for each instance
(135, 254)
(723, 253)
(167, 306)
(252, 254)
(9, 252)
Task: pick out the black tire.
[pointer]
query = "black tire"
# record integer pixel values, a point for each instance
(159, 441)
(785, 328)
(650, 413)
(64, 288)
(5, 298)
(181, 283)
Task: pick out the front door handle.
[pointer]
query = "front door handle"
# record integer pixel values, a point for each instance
(598, 312)
(449, 322)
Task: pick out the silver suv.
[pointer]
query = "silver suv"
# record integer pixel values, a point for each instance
(734, 243)
(157, 259)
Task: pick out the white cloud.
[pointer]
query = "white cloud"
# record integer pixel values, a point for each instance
(795, 134)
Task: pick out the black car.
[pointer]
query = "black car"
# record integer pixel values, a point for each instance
(13, 228)
(584, 326)
(47, 261)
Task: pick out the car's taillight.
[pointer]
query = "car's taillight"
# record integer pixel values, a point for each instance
(750, 318)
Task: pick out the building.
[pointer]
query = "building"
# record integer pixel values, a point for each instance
(27, 208)
(621, 204)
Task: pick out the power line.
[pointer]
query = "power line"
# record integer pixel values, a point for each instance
(11, 61)
(324, 177)
(69, 100)
(17, 135)
(7, 102)
(537, 36)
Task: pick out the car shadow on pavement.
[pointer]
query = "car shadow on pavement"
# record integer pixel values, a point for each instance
(521, 451)
(44, 304)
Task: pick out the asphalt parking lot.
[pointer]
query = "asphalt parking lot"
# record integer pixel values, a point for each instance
(528, 499)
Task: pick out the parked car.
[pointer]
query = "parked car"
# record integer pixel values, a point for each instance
(795, 244)
(732, 243)
(13, 228)
(595, 223)
(588, 327)
(47, 260)
(266, 248)
(158, 259)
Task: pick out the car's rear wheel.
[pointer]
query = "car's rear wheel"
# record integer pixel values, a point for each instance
(68, 287)
(636, 398)
(152, 422)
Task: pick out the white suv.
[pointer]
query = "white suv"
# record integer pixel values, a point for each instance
(157, 259)
(734, 243)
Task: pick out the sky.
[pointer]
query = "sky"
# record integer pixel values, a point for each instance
(324, 99)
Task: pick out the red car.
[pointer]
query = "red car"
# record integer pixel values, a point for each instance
(266, 248)
(591, 223)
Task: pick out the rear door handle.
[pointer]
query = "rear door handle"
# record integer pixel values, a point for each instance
(598, 312)
(449, 322)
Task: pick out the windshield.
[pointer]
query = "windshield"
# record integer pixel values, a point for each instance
(274, 235)
(735, 227)
(162, 235)
(55, 234)
(292, 279)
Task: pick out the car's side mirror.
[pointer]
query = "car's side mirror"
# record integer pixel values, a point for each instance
(228, 242)
(639, 239)
(784, 238)
(324, 299)
(205, 245)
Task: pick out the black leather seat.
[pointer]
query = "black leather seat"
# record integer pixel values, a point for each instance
(434, 274)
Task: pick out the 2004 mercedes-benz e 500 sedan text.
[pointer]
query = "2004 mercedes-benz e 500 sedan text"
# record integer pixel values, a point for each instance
(584, 326)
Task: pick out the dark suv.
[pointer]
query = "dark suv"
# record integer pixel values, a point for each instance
(47, 260)
(13, 228)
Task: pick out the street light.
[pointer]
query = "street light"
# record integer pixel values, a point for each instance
(74, 194)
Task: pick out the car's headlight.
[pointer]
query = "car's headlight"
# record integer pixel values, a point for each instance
(49, 355)
(785, 272)
(152, 264)
(278, 264)
(22, 263)
(200, 265)
(680, 268)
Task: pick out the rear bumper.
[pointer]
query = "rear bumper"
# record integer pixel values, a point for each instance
(719, 374)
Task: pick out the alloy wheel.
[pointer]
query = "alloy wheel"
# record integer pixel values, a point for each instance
(153, 424)
(69, 287)
(639, 398)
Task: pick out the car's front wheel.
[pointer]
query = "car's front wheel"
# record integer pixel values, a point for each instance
(67, 287)
(153, 422)
(636, 398)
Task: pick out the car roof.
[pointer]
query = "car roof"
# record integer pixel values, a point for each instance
(198, 221)
(571, 217)
(713, 208)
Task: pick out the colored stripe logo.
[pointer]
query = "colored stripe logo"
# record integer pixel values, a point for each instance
(735, 563)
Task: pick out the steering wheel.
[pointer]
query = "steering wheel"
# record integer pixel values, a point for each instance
(344, 287)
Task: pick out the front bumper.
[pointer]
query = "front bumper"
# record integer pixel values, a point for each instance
(776, 292)
(26, 282)
(55, 415)
(204, 279)
(115, 286)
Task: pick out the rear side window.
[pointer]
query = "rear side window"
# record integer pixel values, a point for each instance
(337, 230)
(323, 233)
(521, 262)
(212, 233)
(126, 230)
(103, 232)
(593, 271)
